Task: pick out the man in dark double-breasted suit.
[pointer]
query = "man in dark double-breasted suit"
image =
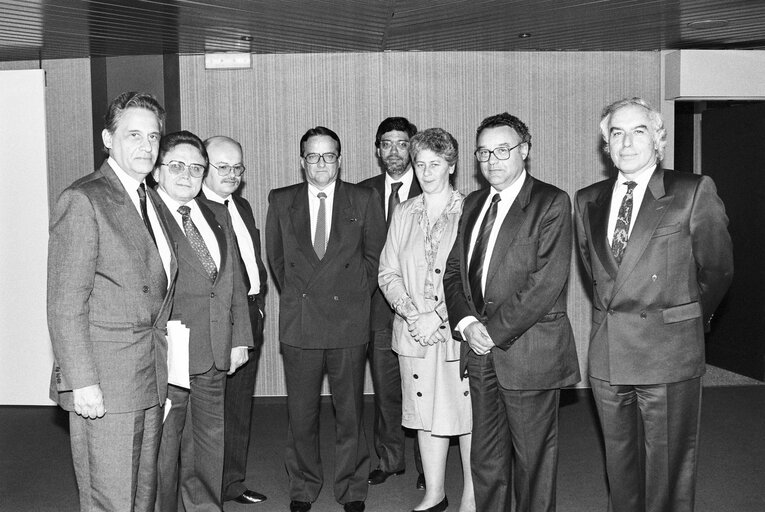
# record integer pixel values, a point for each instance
(323, 240)
(506, 284)
(656, 248)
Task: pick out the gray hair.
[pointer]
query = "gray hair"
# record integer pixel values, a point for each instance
(660, 133)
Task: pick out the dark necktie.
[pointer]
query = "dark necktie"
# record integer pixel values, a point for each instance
(320, 236)
(475, 270)
(393, 199)
(622, 229)
(197, 242)
(144, 210)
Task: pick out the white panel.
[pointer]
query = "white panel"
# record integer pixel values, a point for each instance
(25, 351)
(715, 74)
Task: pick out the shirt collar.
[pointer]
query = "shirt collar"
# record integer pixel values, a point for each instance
(212, 195)
(406, 179)
(641, 178)
(171, 203)
(130, 183)
(329, 190)
(513, 190)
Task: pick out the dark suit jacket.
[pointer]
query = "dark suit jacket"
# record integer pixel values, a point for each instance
(382, 314)
(245, 210)
(325, 303)
(526, 288)
(649, 312)
(215, 313)
(108, 300)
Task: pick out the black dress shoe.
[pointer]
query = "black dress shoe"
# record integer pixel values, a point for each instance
(438, 507)
(354, 506)
(420, 485)
(248, 497)
(299, 506)
(379, 476)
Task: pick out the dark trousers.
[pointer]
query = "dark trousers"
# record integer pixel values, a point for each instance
(238, 414)
(191, 451)
(304, 372)
(389, 438)
(651, 435)
(115, 459)
(517, 428)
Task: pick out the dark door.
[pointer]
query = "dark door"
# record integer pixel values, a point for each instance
(733, 154)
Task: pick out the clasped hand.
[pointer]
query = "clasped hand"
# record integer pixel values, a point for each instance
(478, 338)
(423, 327)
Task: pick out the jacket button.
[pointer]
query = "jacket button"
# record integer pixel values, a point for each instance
(466, 393)
(212, 295)
(305, 295)
(335, 298)
(145, 289)
(292, 264)
(438, 271)
(594, 282)
(443, 327)
(611, 312)
(643, 314)
(654, 277)
(416, 376)
(419, 394)
(347, 265)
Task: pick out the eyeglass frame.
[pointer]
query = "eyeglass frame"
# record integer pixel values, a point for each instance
(401, 145)
(321, 156)
(185, 167)
(492, 152)
(219, 169)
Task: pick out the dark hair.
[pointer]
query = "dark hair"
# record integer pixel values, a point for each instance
(397, 124)
(436, 140)
(171, 140)
(319, 130)
(505, 119)
(132, 99)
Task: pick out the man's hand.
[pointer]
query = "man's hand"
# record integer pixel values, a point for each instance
(239, 356)
(89, 402)
(478, 338)
(423, 325)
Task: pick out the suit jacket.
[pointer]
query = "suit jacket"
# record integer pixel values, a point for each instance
(382, 314)
(649, 312)
(215, 312)
(526, 288)
(108, 297)
(245, 210)
(324, 303)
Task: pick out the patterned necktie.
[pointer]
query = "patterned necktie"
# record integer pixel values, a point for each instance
(320, 236)
(475, 269)
(622, 229)
(393, 199)
(145, 211)
(197, 242)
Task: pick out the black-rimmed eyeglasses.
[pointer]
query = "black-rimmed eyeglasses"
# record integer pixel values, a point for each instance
(501, 153)
(313, 158)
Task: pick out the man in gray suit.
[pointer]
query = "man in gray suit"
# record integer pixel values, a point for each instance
(110, 276)
(211, 302)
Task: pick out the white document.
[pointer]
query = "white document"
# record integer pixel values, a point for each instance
(178, 354)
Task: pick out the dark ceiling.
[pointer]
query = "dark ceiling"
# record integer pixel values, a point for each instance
(54, 29)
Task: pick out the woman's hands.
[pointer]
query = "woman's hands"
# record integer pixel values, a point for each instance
(423, 327)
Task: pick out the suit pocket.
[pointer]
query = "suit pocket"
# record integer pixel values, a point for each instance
(666, 230)
(681, 313)
(116, 332)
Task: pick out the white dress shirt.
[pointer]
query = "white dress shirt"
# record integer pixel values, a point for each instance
(199, 221)
(244, 239)
(403, 191)
(313, 205)
(620, 189)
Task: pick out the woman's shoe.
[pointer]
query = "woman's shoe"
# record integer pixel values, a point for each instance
(438, 507)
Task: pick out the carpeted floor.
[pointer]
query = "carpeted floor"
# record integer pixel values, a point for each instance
(36, 472)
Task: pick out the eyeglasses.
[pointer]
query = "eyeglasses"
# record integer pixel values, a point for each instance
(313, 158)
(501, 153)
(176, 167)
(225, 169)
(403, 145)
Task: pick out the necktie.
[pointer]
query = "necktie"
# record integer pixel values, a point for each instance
(197, 242)
(320, 237)
(475, 270)
(622, 229)
(393, 200)
(144, 211)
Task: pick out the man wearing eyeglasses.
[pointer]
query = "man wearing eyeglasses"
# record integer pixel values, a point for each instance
(323, 240)
(505, 284)
(211, 302)
(397, 184)
(223, 178)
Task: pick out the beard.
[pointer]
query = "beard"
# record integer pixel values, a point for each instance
(395, 166)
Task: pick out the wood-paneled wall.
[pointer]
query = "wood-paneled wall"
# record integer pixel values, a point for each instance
(268, 107)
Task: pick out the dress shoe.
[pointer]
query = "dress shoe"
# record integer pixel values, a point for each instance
(354, 506)
(299, 506)
(249, 496)
(379, 476)
(438, 507)
(420, 485)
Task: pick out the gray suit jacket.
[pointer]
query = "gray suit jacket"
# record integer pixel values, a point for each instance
(108, 297)
(650, 312)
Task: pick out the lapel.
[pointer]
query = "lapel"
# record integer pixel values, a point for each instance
(220, 236)
(510, 226)
(652, 210)
(379, 186)
(415, 189)
(471, 216)
(156, 203)
(598, 212)
(342, 214)
(300, 216)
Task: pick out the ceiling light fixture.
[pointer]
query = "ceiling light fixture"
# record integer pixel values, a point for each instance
(524, 35)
